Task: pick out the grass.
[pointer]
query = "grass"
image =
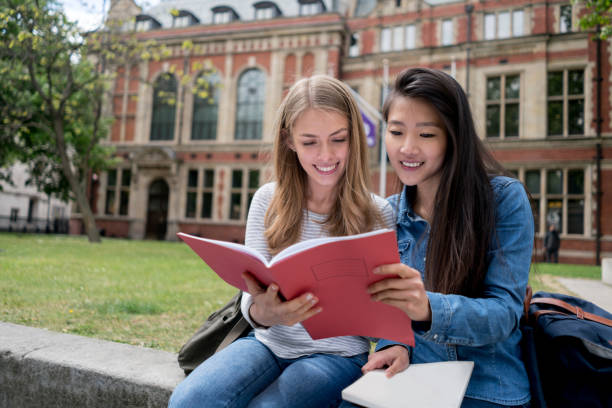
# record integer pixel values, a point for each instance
(147, 293)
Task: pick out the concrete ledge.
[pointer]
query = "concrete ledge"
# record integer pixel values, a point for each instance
(43, 368)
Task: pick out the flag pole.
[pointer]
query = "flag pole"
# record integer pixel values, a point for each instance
(382, 185)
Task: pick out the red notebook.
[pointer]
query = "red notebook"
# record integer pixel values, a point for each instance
(337, 270)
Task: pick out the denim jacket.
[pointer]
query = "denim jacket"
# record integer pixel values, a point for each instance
(486, 329)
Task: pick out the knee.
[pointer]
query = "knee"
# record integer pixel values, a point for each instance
(186, 395)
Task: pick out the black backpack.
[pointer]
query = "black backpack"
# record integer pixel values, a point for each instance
(218, 331)
(567, 349)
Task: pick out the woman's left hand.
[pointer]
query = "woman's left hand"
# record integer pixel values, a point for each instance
(406, 292)
(396, 358)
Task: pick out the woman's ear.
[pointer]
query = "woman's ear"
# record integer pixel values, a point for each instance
(288, 140)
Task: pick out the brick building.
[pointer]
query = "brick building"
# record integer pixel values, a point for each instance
(539, 90)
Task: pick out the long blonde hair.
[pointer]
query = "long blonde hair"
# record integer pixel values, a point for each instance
(354, 211)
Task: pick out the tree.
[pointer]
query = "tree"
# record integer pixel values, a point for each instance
(597, 16)
(54, 84)
(54, 117)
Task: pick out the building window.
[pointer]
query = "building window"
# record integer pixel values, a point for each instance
(244, 184)
(311, 8)
(205, 108)
(398, 38)
(503, 102)
(164, 108)
(503, 24)
(563, 195)
(354, 45)
(532, 182)
(385, 40)
(124, 198)
(117, 188)
(144, 25)
(565, 18)
(447, 32)
(265, 10)
(111, 192)
(223, 15)
(250, 105)
(410, 39)
(517, 23)
(203, 189)
(566, 102)
(14, 214)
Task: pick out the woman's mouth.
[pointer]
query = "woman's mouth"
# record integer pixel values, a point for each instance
(411, 164)
(326, 169)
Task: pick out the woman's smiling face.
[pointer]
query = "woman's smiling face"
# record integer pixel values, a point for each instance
(416, 141)
(320, 139)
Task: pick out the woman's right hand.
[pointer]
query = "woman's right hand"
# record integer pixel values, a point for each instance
(268, 309)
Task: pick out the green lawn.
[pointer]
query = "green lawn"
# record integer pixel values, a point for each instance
(148, 293)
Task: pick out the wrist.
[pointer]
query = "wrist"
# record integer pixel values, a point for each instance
(254, 319)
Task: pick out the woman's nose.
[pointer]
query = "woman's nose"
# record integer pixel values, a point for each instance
(409, 145)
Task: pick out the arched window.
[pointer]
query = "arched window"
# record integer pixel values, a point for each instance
(205, 108)
(164, 108)
(250, 105)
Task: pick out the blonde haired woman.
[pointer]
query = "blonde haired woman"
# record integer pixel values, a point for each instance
(320, 189)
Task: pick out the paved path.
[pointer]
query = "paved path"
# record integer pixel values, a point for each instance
(592, 290)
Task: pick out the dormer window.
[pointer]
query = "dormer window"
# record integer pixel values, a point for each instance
(311, 7)
(146, 23)
(224, 15)
(184, 19)
(265, 10)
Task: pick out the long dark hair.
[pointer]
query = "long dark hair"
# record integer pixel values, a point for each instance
(463, 225)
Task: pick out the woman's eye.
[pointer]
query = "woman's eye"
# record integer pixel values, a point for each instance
(341, 140)
(395, 132)
(427, 135)
(308, 143)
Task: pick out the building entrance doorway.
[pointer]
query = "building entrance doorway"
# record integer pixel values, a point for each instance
(157, 210)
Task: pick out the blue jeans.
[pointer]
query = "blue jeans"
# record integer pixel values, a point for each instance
(247, 373)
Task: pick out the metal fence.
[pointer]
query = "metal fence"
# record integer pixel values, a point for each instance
(34, 225)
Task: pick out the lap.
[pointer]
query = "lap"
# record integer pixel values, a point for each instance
(312, 381)
(231, 377)
(247, 373)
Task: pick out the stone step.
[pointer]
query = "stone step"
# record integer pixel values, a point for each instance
(43, 368)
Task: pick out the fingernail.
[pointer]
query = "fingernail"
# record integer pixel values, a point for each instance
(274, 287)
(376, 270)
(309, 297)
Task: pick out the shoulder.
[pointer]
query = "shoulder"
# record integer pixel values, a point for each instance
(386, 210)
(510, 197)
(504, 187)
(265, 192)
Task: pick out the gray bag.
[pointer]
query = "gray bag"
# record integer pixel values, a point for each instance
(218, 331)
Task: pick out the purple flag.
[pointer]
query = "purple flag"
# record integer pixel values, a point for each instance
(370, 130)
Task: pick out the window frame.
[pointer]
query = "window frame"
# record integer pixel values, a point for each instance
(119, 190)
(199, 189)
(503, 102)
(565, 197)
(491, 33)
(566, 98)
(158, 104)
(248, 106)
(245, 191)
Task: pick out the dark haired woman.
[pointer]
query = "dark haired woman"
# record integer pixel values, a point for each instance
(465, 236)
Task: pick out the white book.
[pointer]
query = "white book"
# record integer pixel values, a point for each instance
(438, 385)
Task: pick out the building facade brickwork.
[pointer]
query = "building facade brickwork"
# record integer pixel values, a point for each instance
(531, 76)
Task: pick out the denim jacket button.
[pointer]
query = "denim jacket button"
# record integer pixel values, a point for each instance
(435, 336)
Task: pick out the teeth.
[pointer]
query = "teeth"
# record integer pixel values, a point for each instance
(411, 164)
(329, 168)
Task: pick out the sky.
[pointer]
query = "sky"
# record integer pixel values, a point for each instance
(89, 14)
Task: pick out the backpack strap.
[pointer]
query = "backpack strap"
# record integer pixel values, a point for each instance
(575, 310)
